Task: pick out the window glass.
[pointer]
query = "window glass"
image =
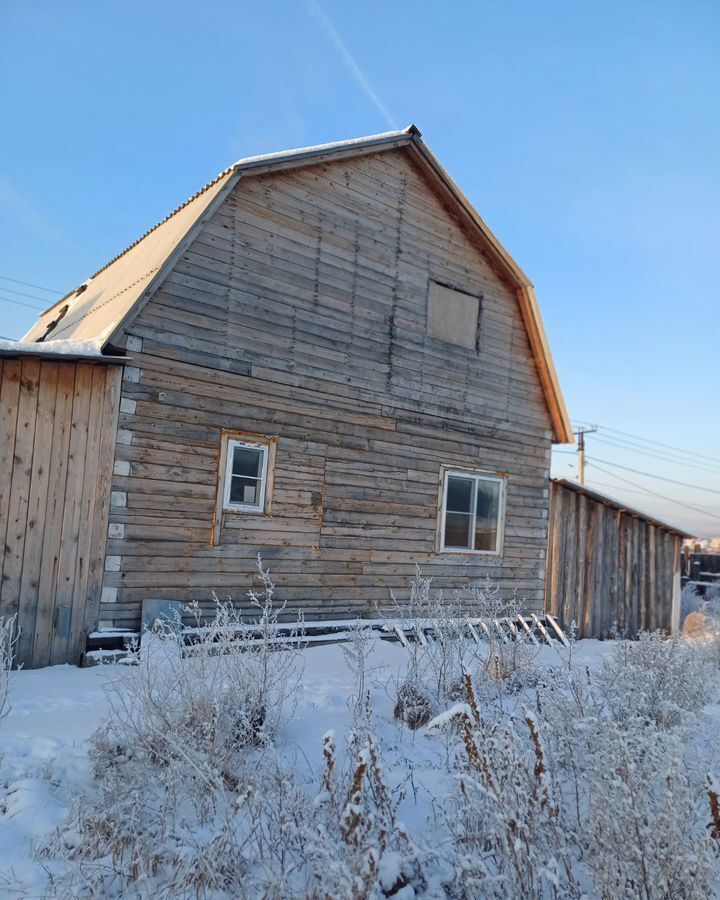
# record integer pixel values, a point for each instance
(472, 513)
(457, 529)
(459, 494)
(244, 490)
(245, 476)
(247, 461)
(487, 508)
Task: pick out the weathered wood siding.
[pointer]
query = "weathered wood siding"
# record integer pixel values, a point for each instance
(57, 432)
(608, 568)
(300, 311)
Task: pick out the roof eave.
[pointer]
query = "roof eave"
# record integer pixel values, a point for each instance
(63, 357)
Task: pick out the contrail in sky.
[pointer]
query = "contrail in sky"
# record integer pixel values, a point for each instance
(347, 57)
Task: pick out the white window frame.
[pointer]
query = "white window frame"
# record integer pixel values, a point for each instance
(234, 506)
(475, 477)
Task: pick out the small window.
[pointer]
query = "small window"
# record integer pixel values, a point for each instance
(246, 476)
(453, 316)
(472, 513)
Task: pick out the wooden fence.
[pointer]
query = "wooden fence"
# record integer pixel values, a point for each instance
(58, 422)
(609, 565)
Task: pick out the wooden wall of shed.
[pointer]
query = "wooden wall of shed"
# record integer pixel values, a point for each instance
(57, 433)
(607, 568)
(300, 311)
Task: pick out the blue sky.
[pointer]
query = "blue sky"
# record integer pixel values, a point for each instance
(587, 134)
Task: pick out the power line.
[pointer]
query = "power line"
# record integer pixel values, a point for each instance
(643, 440)
(25, 294)
(22, 303)
(657, 477)
(28, 284)
(681, 450)
(648, 490)
(656, 494)
(671, 455)
(653, 454)
(642, 490)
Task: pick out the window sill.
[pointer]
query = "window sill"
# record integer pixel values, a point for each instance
(461, 551)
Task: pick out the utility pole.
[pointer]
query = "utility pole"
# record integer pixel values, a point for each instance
(581, 432)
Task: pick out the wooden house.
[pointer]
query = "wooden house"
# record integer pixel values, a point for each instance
(327, 359)
(610, 566)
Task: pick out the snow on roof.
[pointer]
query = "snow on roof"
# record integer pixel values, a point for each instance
(249, 161)
(68, 349)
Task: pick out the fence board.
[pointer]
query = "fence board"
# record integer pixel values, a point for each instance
(56, 452)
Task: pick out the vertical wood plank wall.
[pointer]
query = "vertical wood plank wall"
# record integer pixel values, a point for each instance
(608, 567)
(299, 311)
(57, 432)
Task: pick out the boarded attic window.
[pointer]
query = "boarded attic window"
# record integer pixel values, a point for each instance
(453, 316)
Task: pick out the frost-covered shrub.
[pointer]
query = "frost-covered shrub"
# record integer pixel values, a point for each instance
(643, 833)
(440, 642)
(178, 797)
(360, 848)
(357, 653)
(202, 704)
(503, 818)
(443, 646)
(137, 839)
(627, 785)
(8, 639)
(690, 601)
(657, 679)
(509, 662)
(412, 704)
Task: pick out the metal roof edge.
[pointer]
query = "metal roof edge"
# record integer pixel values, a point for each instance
(62, 357)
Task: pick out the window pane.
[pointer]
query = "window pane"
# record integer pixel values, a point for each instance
(247, 462)
(488, 507)
(457, 530)
(459, 494)
(244, 490)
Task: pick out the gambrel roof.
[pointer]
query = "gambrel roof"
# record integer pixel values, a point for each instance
(99, 309)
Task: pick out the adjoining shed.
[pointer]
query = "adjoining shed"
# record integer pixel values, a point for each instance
(59, 416)
(609, 565)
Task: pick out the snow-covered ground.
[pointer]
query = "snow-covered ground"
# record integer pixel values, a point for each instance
(54, 711)
(44, 747)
